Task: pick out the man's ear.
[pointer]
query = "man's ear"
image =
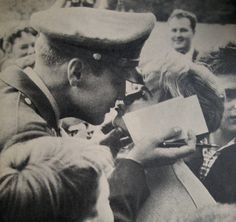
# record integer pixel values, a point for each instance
(74, 69)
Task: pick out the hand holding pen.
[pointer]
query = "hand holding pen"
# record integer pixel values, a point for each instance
(182, 143)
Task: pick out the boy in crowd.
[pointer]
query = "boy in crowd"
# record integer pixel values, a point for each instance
(18, 45)
(218, 172)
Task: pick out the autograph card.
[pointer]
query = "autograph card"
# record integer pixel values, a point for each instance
(159, 118)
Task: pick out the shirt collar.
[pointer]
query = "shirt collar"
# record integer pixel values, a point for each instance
(37, 80)
(231, 142)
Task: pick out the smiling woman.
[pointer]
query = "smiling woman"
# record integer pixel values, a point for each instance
(18, 44)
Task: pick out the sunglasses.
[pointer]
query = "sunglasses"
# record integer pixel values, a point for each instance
(130, 98)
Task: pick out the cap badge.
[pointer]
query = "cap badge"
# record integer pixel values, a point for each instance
(97, 56)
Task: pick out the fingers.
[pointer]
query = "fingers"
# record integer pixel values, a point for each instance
(174, 132)
(149, 154)
(173, 154)
(155, 141)
(181, 152)
(191, 140)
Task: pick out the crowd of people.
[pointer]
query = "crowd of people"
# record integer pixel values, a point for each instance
(62, 72)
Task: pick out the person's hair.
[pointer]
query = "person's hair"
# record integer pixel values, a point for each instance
(179, 13)
(214, 213)
(49, 179)
(15, 31)
(55, 52)
(170, 85)
(221, 61)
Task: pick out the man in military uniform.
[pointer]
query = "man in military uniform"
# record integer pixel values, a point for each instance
(80, 71)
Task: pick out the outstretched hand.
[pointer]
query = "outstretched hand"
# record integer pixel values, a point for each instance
(148, 154)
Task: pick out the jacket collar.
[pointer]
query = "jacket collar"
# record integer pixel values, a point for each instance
(35, 90)
(37, 80)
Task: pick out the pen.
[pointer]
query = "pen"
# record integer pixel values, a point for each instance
(178, 144)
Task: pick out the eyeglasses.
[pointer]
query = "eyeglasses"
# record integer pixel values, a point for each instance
(142, 93)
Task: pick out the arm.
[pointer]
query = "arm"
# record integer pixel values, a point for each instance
(128, 190)
(128, 185)
(20, 122)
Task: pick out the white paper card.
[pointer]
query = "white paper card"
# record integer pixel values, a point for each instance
(157, 119)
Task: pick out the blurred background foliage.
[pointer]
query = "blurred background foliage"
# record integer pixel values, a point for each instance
(207, 11)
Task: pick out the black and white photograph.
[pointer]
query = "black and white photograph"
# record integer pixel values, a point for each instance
(117, 111)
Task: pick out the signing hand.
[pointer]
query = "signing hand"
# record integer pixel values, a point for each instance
(148, 154)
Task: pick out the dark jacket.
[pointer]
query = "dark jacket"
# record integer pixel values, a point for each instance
(128, 190)
(27, 112)
(221, 180)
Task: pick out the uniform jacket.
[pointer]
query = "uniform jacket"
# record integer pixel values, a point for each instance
(28, 111)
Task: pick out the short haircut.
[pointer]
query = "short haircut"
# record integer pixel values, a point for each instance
(55, 52)
(221, 61)
(46, 179)
(170, 85)
(179, 13)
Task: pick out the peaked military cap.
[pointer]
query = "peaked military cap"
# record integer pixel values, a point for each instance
(106, 35)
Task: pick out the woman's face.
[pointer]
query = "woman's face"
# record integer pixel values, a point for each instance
(133, 102)
(142, 99)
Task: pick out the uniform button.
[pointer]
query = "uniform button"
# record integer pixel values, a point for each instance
(28, 101)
